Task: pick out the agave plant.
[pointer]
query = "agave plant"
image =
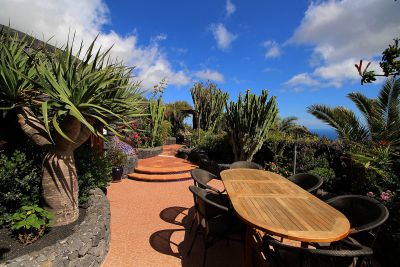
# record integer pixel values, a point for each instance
(248, 122)
(381, 116)
(74, 95)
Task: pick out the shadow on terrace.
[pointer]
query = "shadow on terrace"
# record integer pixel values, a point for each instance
(167, 241)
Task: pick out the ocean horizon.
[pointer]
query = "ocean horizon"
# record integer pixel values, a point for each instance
(328, 133)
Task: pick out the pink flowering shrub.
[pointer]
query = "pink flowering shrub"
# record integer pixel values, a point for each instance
(279, 169)
(384, 196)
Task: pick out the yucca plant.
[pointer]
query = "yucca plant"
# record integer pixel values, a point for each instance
(15, 89)
(381, 116)
(76, 94)
(248, 122)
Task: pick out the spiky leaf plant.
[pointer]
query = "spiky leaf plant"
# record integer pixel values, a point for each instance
(75, 94)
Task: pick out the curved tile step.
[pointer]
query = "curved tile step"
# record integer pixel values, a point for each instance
(165, 169)
(160, 177)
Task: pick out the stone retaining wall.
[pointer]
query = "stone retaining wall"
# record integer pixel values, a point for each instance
(144, 153)
(170, 141)
(87, 246)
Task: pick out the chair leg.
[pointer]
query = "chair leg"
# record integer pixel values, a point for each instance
(191, 225)
(194, 239)
(205, 251)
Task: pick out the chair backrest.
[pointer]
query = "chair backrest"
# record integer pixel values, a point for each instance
(340, 255)
(307, 181)
(245, 165)
(209, 204)
(202, 177)
(364, 213)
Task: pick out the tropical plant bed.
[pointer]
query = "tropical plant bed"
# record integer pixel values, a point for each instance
(10, 247)
(144, 153)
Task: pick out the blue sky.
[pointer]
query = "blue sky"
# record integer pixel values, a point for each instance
(302, 51)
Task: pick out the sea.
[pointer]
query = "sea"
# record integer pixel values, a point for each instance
(328, 133)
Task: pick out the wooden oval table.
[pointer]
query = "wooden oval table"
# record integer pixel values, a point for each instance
(273, 204)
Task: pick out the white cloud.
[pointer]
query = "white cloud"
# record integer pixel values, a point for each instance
(230, 8)
(208, 74)
(49, 18)
(342, 32)
(273, 49)
(159, 37)
(302, 79)
(223, 37)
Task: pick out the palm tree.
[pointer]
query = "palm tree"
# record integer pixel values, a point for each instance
(381, 116)
(60, 99)
(289, 125)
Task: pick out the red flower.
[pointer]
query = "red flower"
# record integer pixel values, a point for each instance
(383, 142)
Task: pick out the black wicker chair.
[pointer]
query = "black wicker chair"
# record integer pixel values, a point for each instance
(245, 165)
(202, 178)
(214, 217)
(343, 254)
(365, 215)
(307, 181)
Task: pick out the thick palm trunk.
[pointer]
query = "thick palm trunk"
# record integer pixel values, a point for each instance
(60, 186)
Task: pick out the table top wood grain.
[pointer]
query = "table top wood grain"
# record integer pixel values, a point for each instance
(272, 203)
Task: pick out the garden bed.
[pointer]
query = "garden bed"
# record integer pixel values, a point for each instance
(83, 243)
(144, 153)
(10, 248)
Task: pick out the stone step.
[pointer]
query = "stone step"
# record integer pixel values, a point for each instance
(165, 169)
(160, 177)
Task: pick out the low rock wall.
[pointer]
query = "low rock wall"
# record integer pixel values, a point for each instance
(144, 153)
(87, 246)
(170, 141)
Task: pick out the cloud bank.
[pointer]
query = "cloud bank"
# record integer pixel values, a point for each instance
(55, 18)
(342, 32)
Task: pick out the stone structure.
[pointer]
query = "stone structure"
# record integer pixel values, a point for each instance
(144, 153)
(170, 141)
(87, 246)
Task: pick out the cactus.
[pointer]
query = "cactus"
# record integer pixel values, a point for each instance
(208, 103)
(248, 122)
(157, 109)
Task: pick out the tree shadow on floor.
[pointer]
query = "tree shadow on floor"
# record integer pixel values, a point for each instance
(176, 242)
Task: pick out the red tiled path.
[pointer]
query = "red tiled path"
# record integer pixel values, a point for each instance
(149, 227)
(164, 167)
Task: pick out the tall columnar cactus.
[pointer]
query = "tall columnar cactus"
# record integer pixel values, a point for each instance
(157, 109)
(248, 122)
(208, 103)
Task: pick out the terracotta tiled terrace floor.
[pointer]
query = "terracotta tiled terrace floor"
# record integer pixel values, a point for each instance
(149, 227)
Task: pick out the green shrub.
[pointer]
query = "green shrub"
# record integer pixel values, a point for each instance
(164, 132)
(216, 145)
(19, 182)
(116, 157)
(327, 174)
(30, 223)
(94, 170)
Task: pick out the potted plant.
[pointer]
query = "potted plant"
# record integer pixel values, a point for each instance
(118, 160)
